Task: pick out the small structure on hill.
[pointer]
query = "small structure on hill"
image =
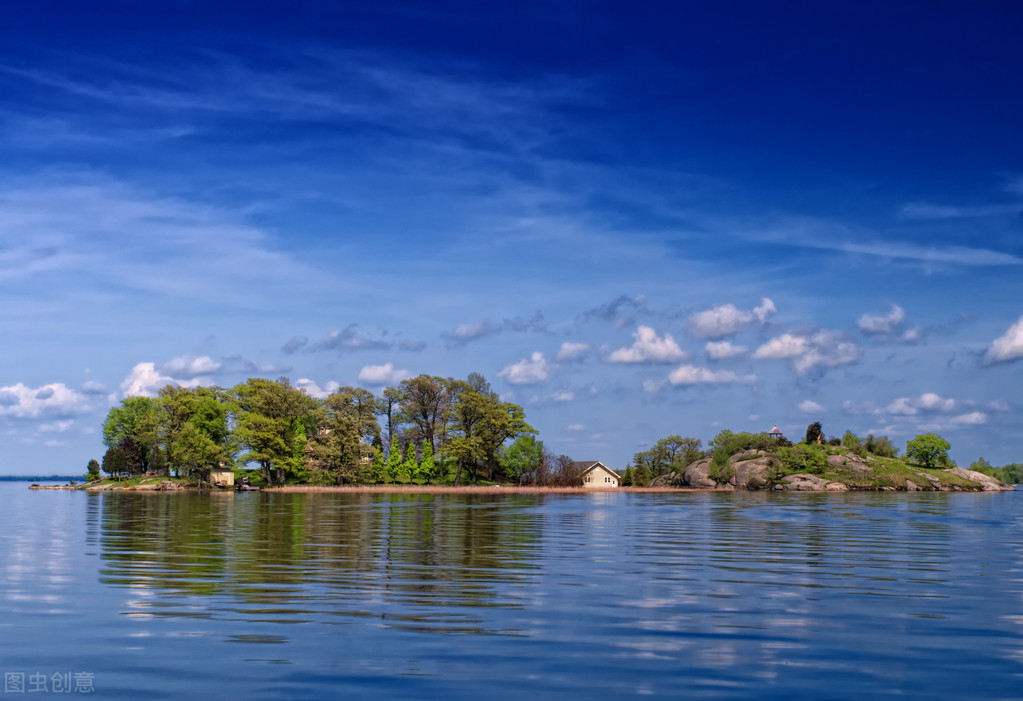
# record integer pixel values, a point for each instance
(775, 432)
(596, 475)
(222, 476)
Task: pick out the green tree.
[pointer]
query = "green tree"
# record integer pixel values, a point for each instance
(427, 466)
(928, 450)
(627, 478)
(136, 418)
(92, 471)
(814, 434)
(194, 429)
(673, 453)
(521, 459)
(881, 446)
(392, 467)
(423, 402)
(347, 421)
(851, 441)
(641, 476)
(409, 466)
(273, 420)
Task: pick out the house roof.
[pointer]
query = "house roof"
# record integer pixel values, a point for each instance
(585, 466)
(774, 431)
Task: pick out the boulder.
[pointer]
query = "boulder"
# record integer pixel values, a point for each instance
(836, 460)
(988, 483)
(697, 475)
(802, 482)
(753, 474)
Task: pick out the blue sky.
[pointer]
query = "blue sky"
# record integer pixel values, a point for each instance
(635, 221)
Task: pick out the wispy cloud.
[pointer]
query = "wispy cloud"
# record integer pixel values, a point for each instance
(464, 333)
(692, 375)
(882, 324)
(621, 311)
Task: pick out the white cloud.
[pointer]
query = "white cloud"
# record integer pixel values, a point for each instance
(881, 324)
(822, 349)
(528, 371)
(648, 348)
(52, 400)
(575, 427)
(720, 350)
(382, 374)
(1007, 347)
(572, 351)
(972, 419)
(692, 375)
(726, 319)
(188, 366)
(314, 390)
(929, 402)
(932, 402)
(785, 346)
(809, 406)
(146, 380)
(765, 310)
(653, 385)
(719, 321)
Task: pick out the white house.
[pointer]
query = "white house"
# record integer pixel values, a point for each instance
(596, 475)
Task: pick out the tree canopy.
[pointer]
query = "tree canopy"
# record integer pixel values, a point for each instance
(929, 450)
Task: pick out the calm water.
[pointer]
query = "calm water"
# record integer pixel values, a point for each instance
(267, 596)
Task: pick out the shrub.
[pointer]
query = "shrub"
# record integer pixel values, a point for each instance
(803, 458)
(881, 446)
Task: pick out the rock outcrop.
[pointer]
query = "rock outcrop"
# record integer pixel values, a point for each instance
(990, 484)
(760, 470)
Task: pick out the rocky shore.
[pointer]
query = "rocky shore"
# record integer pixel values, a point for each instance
(758, 470)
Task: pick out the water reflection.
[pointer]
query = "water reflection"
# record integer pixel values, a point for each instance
(712, 594)
(289, 557)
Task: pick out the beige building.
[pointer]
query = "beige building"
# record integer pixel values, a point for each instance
(222, 476)
(596, 475)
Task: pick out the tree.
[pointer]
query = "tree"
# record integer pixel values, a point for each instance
(346, 422)
(423, 402)
(929, 450)
(814, 433)
(194, 429)
(480, 423)
(409, 466)
(123, 458)
(673, 453)
(136, 418)
(851, 441)
(427, 466)
(393, 465)
(273, 420)
(521, 459)
(92, 471)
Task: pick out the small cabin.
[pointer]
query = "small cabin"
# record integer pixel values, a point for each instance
(775, 432)
(596, 475)
(222, 476)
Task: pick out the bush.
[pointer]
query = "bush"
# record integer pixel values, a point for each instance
(803, 458)
(726, 444)
(881, 446)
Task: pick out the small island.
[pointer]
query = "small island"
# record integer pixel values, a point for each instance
(442, 434)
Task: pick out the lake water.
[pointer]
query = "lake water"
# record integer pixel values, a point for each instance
(710, 595)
